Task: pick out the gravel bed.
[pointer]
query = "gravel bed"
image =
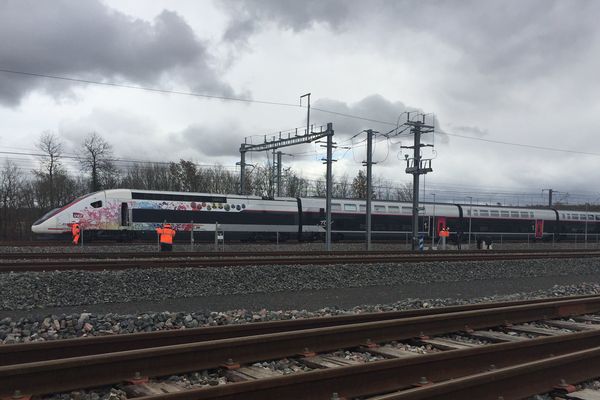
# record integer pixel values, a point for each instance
(465, 339)
(29, 290)
(592, 385)
(419, 349)
(52, 327)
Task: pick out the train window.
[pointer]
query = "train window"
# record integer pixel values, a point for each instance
(394, 209)
(574, 216)
(406, 210)
(514, 214)
(483, 213)
(336, 207)
(96, 204)
(524, 214)
(597, 217)
(474, 213)
(531, 214)
(380, 208)
(349, 207)
(494, 213)
(504, 213)
(562, 215)
(590, 217)
(362, 208)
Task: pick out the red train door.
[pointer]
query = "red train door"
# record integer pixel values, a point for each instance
(441, 224)
(539, 228)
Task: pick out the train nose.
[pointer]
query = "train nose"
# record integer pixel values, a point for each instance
(40, 228)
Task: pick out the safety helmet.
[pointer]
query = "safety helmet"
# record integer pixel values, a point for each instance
(167, 225)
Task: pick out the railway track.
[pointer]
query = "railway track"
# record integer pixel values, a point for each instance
(564, 343)
(69, 254)
(116, 261)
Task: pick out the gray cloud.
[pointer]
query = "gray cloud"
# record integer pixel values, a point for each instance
(249, 15)
(88, 40)
(510, 39)
(211, 141)
(471, 130)
(376, 108)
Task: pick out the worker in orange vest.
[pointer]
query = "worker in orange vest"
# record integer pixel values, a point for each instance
(75, 231)
(166, 235)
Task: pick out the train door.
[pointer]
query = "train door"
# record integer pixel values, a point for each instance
(539, 228)
(125, 218)
(441, 224)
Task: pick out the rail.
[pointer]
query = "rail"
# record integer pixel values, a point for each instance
(100, 369)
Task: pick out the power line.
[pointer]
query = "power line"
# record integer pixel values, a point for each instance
(148, 89)
(183, 93)
(267, 102)
(530, 146)
(122, 160)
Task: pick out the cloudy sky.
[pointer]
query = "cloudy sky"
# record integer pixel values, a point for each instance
(523, 72)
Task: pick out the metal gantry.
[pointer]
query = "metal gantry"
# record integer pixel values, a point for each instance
(275, 143)
(290, 140)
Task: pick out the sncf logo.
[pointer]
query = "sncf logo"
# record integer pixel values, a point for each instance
(77, 215)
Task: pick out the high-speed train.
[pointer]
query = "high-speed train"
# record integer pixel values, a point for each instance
(135, 214)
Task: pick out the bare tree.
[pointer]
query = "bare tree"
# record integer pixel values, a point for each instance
(343, 187)
(359, 185)
(96, 159)
(295, 185)
(10, 184)
(404, 192)
(52, 148)
(320, 187)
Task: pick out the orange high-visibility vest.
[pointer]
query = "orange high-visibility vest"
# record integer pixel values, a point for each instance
(166, 235)
(75, 229)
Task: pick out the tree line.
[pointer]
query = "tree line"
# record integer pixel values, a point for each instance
(26, 197)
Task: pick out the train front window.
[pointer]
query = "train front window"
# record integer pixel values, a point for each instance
(52, 213)
(96, 204)
(49, 214)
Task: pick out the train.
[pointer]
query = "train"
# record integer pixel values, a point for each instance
(126, 214)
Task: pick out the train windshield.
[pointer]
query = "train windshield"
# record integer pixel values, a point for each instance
(55, 211)
(49, 214)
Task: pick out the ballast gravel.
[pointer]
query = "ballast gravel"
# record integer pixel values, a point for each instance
(30, 290)
(64, 326)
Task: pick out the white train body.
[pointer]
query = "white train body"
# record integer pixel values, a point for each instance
(136, 213)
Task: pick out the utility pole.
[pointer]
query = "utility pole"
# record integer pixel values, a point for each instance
(470, 218)
(417, 168)
(279, 174)
(272, 182)
(550, 191)
(369, 163)
(243, 168)
(433, 225)
(307, 112)
(328, 184)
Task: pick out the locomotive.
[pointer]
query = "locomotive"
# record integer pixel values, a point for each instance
(135, 214)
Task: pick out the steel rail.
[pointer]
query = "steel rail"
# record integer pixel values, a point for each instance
(96, 265)
(397, 374)
(84, 346)
(79, 372)
(259, 253)
(513, 382)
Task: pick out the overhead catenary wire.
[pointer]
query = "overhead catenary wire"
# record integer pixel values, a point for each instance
(277, 103)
